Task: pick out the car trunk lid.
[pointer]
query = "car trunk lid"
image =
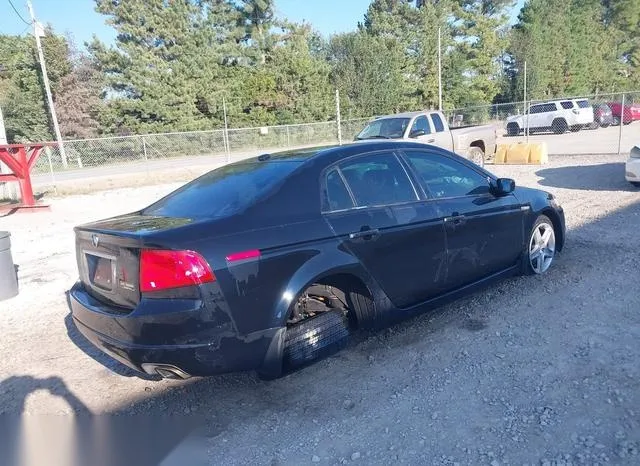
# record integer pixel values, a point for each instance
(108, 256)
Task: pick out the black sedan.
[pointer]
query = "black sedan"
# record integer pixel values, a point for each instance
(270, 263)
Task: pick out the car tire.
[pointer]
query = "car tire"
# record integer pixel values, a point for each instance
(616, 121)
(576, 128)
(476, 155)
(559, 126)
(315, 338)
(604, 125)
(539, 252)
(513, 129)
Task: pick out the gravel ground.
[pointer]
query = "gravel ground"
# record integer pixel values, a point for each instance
(536, 370)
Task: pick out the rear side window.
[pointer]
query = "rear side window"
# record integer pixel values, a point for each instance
(437, 122)
(583, 104)
(223, 191)
(567, 105)
(378, 179)
(336, 196)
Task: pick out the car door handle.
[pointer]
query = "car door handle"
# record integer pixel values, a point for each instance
(365, 234)
(456, 220)
(431, 140)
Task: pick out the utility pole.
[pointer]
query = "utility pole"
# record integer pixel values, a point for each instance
(225, 136)
(526, 107)
(338, 118)
(439, 70)
(45, 79)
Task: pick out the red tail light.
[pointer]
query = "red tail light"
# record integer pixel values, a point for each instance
(161, 270)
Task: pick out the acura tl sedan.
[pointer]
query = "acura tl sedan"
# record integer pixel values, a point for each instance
(271, 263)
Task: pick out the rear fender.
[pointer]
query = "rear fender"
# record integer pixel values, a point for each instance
(317, 268)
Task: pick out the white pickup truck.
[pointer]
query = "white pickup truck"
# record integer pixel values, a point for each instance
(477, 143)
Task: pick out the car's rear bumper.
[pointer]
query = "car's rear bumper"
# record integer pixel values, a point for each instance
(168, 341)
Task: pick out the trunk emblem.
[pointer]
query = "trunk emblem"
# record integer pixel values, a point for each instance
(95, 240)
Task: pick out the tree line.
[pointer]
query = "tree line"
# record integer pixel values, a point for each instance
(174, 64)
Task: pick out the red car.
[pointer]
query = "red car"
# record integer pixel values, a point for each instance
(631, 112)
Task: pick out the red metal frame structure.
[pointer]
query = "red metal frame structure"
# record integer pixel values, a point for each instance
(20, 158)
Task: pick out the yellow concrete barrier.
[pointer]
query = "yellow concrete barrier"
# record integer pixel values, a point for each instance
(520, 153)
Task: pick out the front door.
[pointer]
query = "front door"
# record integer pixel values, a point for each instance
(443, 138)
(484, 233)
(381, 218)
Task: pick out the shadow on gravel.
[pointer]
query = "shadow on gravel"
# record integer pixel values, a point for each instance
(604, 177)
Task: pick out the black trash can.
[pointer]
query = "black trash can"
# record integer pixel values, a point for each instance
(8, 276)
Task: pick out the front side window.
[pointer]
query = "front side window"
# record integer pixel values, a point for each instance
(583, 104)
(567, 105)
(378, 179)
(421, 124)
(536, 109)
(444, 177)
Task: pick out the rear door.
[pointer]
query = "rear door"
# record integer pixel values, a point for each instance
(382, 218)
(484, 233)
(442, 137)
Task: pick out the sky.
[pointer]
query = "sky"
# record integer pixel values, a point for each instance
(79, 18)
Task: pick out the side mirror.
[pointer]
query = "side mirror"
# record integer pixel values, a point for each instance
(503, 186)
(417, 133)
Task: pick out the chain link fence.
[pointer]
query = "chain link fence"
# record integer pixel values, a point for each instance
(575, 125)
(217, 145)
(597, 124)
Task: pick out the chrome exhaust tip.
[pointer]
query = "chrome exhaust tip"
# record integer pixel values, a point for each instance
(166, 371)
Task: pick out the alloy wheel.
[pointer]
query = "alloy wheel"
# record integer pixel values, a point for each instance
(542, 247)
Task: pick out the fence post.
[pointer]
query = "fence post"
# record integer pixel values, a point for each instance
(144, 149)
(47, 150)
(338, 117)
(621, 125)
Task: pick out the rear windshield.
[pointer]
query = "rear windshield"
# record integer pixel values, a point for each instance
(223, 191)
(583, 104)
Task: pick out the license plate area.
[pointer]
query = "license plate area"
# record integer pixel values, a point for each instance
(101, 270)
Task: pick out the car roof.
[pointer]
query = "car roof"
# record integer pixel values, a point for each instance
(336, 152)
(560, 100)
(404, 115)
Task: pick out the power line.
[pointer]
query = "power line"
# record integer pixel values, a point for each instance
(19, 15)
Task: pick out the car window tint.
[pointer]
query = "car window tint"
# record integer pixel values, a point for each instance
(223, 191)
(444, 177)
(567, 105)
(421, 123)
(378, 179)
(385, 128)
(337, 196)
(437, 122)
(583, 103)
